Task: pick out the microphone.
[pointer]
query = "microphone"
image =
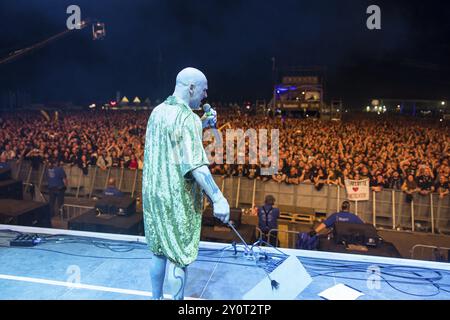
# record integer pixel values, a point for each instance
(207, 108)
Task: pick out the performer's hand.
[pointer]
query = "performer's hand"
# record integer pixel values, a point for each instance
(209, 118)
(212, 116)
(222, 210)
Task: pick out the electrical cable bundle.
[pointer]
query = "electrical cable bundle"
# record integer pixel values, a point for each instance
(392, 275)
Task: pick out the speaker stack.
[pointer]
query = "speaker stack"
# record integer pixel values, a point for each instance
(214, 230)
(9, 188)
(111, 215)
(16, 211)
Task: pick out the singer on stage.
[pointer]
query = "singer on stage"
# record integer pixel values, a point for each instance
(175, 174)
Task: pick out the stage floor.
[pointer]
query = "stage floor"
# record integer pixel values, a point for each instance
(77, 265)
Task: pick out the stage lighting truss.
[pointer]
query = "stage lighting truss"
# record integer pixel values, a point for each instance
(98, 31)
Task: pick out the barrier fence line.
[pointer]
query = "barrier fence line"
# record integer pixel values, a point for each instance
(374, 210)
(293, 197)
(74, 207)
(18, 170)
(275, 233)
(338, 202)
(423, 246)
(393, 210)
(28, 178)
(254, 194)
(237, 192)
(134, 183)
(91, 188)
(41, 178)
(432, 213)
(121, 178)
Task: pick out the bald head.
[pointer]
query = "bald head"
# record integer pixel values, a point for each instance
(111, 182)
(190, 76)
(191, 87)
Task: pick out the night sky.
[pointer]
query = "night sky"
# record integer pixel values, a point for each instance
(233, 42)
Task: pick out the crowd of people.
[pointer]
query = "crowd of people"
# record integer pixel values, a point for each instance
(83, 139)
(403, 154)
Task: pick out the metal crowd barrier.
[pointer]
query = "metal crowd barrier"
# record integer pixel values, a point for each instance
(434, 254)
(291, 237)
(387, 209)
(69, 211)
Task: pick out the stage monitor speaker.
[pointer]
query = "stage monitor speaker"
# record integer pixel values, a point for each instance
(5, 174)
(121, 206)
(292, 277)
(211, 221)
(108, 223)
(352, 233)
(11, 189)
(25, 213)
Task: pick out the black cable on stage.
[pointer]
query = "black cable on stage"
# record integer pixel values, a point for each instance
(117, 258)
(102, 243)
(388, 269)
(418, 277)
(11, 231)
(420, 281)
(356, 267)
(428, 281)
(389, 282)
(393, 275)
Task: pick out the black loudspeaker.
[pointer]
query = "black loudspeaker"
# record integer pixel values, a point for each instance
(210, 221)
(360, 234)
(108, 223)
(25, 213)
(11, 189)
(5, 174)
(121, 206)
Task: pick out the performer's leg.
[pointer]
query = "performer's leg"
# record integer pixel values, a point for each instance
(158, 273)
(177, 279)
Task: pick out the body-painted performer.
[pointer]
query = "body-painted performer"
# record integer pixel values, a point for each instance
(175, 174)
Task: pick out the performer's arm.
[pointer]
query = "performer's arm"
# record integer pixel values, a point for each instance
(203, 177)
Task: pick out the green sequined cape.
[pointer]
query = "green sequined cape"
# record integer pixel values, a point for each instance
(172, 200)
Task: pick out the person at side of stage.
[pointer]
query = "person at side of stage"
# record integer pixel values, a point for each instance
(342, 216)
(112, 190)
(57, 185)
(268, 220)
(4, 162)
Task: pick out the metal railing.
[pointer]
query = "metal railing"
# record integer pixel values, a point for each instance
(434, 254)
(69, 211)
(386, 209)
